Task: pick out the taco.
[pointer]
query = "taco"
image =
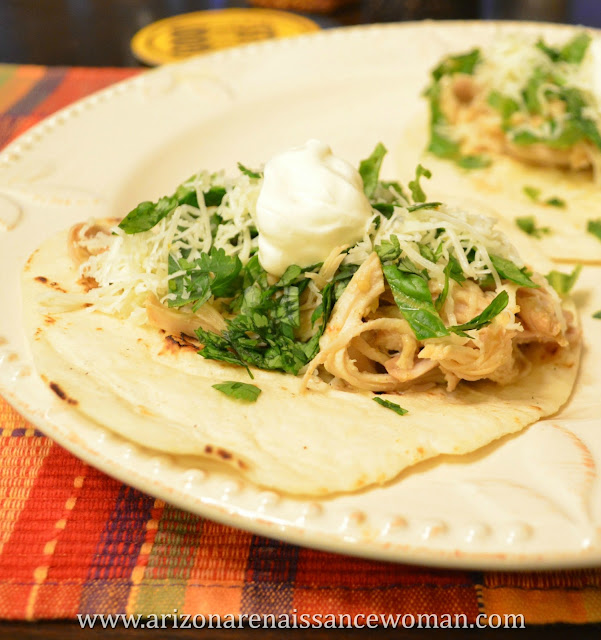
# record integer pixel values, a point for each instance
(310, 325)
(518, 123)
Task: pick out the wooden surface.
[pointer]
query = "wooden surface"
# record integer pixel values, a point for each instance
(98, 32)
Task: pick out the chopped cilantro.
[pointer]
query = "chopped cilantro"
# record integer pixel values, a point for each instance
(239, 390)
(417, 193)
(462, 63)
(212, 274)
(263, 332)
(528, 225)
(390, 405)
(597, 315)
(532, 192)
(594, 227)
(507, 270)
(485, 317)
(256, 175)
(535, 195)
(413, 298)
(369, 169)
(563, 282)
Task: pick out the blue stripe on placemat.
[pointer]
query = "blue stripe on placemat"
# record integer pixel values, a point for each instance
(39, 92)
(271, 572)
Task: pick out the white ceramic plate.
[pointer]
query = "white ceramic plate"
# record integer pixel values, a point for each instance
(532, 500)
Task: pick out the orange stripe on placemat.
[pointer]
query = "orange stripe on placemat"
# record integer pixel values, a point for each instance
(219, 572)
(20, 461)
(78, 83)
(544, 597)
(19, 84)
(25, 559)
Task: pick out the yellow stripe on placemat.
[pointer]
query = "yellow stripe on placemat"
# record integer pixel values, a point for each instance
(189, 34)
(16, 82)
(544, 597)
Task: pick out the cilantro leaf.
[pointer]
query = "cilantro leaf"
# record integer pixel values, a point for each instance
(148, 214)
(575, 50)
(504, 105)
(486, 316)
(551, 52)
(390, 405)
(369, 169)
(555, 202)
(532, 192)
(417, 192)
(289, 276)
(473, 162)
(389, 250)
(507, 270)
(413, 298)
(212, 274)
(423, 205)
(528, 225)
(462, 63)
(249, 172)
(214, 196)
(594, 227)
(563, 282)
(239, 390)
(597, 315)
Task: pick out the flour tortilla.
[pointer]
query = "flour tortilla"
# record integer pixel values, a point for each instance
(138, 382)
(499, 189)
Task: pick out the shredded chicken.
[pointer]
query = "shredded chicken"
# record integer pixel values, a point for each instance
(464, 102)
(539, 317)
(369, 345)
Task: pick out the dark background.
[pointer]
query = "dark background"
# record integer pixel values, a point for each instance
(98, 32)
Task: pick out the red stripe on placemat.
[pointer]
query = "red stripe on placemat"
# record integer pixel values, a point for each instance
(75, 551)
(24, 561)
(79, 82)
(328, 583)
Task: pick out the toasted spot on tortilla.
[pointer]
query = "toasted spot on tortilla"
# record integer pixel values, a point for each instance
(38, 333)
(48, 319)
(30, 260)
(208, 448)
(61, 393)
(87, 283)
(242, 464)
(175, 344)
(225, 455)
(51, 284)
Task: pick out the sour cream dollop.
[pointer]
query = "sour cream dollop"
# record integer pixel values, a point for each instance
(310, 202)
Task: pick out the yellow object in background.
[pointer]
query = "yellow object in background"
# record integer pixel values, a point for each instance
(189, 34)
(312, 6)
